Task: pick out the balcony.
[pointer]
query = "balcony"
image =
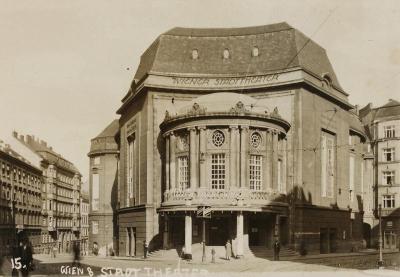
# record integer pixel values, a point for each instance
(234, 197)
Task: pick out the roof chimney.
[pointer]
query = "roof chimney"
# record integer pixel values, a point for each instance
(21, 137)
(15, 134)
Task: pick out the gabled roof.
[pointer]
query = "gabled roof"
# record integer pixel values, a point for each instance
(280, 47)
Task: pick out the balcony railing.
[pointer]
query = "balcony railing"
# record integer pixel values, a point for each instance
(236, 197)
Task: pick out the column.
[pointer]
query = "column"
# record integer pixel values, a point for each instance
(165, 234)
(244, 133)
(188, 236)
(172, 169)
(234, 134)
(193, 158)
(202, 156)
(284, 165)
(268, 161)
(239, 234)
(277, 220)
(274, 159)
(167, 163)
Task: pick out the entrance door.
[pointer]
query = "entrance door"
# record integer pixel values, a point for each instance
(219, 231)
(332, 240)
(177, 230)
(254, 236)
(323, 241)
(133, 242)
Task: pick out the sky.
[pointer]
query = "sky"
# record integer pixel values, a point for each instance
(65, 65)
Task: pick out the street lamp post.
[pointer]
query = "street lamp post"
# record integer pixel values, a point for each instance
(380, 262)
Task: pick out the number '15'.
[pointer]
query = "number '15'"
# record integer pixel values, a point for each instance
(16, 263)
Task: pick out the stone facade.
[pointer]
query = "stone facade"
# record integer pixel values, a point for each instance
(20, 200)
(60, 203)
(103, 186)
(187, 148)
(383, 126)
(84, 226)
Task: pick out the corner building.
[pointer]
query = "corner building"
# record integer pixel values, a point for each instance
(243, 135)
(103, 187)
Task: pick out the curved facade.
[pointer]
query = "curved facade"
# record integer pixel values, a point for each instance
(238, 135)
(103, 182)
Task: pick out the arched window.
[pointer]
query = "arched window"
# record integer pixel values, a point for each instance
(226, 53)
(195, 54)
(255, 51)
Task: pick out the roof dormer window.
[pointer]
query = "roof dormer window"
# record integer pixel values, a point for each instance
(195, 54)
(255, 51)
(326, 81)
(226, 53)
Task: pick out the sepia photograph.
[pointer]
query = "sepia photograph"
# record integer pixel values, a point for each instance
(199, 138)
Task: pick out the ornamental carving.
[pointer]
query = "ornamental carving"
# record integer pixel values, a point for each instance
(197, 110)
(275, 113)
(218, 138)
(255, 139)
(183, 143)
(239, 108)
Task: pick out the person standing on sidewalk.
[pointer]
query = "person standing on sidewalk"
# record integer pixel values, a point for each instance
(145, 249)
(277, 248)
(228, 250)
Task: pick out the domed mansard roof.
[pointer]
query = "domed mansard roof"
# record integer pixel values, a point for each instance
(104, 142)
(235, 52)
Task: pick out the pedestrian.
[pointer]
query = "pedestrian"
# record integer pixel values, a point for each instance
(76, 254)
(277, 248)
(26, 258)
(54, 251)
(145, 248)
(213, 255)
(228, 250)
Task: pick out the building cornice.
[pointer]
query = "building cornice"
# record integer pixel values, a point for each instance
(238, 82)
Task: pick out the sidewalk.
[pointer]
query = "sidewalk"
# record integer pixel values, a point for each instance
(339, 255)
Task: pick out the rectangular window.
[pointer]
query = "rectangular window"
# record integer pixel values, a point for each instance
(131, 156)
(388, 154)
(352, 176)
(362, 177)
(388, 177)
(281, 183)
(218, 171)
(95, 227)
(389, 131)
(255, 172)
(327, 164)
(183, 172)
(95, 191)
(388, 201)
(96, 160)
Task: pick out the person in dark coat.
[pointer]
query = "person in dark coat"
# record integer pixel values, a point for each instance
(77, 254)
(277, 248)
(26, 258)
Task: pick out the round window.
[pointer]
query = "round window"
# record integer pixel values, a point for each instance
(218, 138)
(255, 139)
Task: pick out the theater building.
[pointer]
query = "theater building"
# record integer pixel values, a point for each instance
(240, 134)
